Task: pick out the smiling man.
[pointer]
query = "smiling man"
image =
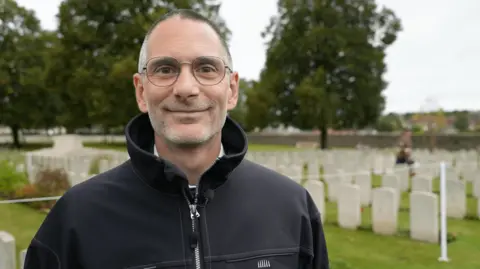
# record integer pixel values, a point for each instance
(187, 198)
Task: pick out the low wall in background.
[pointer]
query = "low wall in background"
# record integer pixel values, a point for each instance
(448, 142)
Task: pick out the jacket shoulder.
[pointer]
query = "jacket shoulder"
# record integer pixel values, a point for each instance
(256, 178)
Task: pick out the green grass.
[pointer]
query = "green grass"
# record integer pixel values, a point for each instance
(251, 147)
(362, 249)
(20, 221)
(258, 147)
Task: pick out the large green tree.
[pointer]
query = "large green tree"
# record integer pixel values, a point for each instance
(241, 113)
(25, 102)
(462, 121)
(389, 123)
(325, 64)
(99, 47)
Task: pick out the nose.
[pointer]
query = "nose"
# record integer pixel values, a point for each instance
(186, 85)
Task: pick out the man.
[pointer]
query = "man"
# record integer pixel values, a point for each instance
(187, 198)
(405, 148)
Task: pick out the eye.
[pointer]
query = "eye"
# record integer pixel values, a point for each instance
(206, 69)
(165, 70)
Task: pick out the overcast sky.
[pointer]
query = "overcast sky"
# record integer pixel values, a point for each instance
(433, 64)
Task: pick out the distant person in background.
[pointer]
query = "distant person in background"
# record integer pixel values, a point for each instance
(404, 154)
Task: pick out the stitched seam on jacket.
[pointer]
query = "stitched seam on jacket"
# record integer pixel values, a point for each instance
(51, 250)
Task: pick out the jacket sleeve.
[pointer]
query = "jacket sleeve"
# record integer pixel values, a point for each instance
(53, 246)
(314, 238)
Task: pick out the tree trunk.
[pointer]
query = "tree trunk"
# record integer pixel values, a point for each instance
(70, 130)
(15, 128)
(432, 138)
(323, 137)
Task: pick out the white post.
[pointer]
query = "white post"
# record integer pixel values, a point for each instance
(443, 213)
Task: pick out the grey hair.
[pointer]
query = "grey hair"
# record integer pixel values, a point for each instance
(142, 58)
(184, 14)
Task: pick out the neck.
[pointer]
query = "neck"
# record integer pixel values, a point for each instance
(193, 161)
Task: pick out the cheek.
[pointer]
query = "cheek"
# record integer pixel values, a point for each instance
(155, 96)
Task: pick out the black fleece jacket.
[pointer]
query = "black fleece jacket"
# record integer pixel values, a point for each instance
(140, 215)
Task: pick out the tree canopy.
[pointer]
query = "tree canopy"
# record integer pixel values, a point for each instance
(79, 75)
(325, 65)
(324, 68)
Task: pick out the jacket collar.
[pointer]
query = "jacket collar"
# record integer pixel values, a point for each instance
(165, 176)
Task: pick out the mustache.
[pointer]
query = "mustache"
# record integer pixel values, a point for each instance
(192, 107)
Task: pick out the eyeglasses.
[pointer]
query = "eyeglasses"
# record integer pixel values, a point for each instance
(164, 71)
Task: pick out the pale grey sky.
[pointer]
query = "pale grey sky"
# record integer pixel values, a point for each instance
(435, 57)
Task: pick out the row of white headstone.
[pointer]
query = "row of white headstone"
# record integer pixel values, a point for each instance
(338, 168)
(286, 162)
(385, 204)
(456, 194)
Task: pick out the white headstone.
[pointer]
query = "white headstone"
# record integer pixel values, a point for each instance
(476, 187)
(23, 255)
(478, 207)
(451, 174)
(313, 168)
(349, 210)
(365, 184)
(333, 186)
(392, 181)
(384, 211)
(470, 175)
(7, 251)
(403, 178)
(317, 191)
(424, 216)
(422, 184)
(70, 142)
(456, 199)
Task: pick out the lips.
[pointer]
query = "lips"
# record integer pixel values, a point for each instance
(186, 111)
(196, 110)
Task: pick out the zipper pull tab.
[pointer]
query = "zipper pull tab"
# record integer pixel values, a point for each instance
(194, 212)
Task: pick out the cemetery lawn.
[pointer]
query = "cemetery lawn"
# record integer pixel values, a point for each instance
(20, 221)
(362, 249)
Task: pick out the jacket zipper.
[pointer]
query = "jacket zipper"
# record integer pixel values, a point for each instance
(194, 216)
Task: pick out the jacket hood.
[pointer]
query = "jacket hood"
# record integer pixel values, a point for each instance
(165, 176)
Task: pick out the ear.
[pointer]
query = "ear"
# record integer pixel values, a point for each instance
(139, 92)
(233, 91)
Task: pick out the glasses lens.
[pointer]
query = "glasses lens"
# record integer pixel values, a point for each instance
(163, 71)
(208, 70)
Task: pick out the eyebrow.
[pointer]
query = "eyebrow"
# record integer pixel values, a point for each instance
(173, 60)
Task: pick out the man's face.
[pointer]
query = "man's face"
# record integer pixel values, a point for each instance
(187, 112)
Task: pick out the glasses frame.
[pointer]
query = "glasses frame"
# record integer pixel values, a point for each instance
(144, 70)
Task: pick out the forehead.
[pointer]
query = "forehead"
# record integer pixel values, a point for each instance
(184, 39)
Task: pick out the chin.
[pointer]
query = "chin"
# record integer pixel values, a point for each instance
(187, 140)
(193, 136)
